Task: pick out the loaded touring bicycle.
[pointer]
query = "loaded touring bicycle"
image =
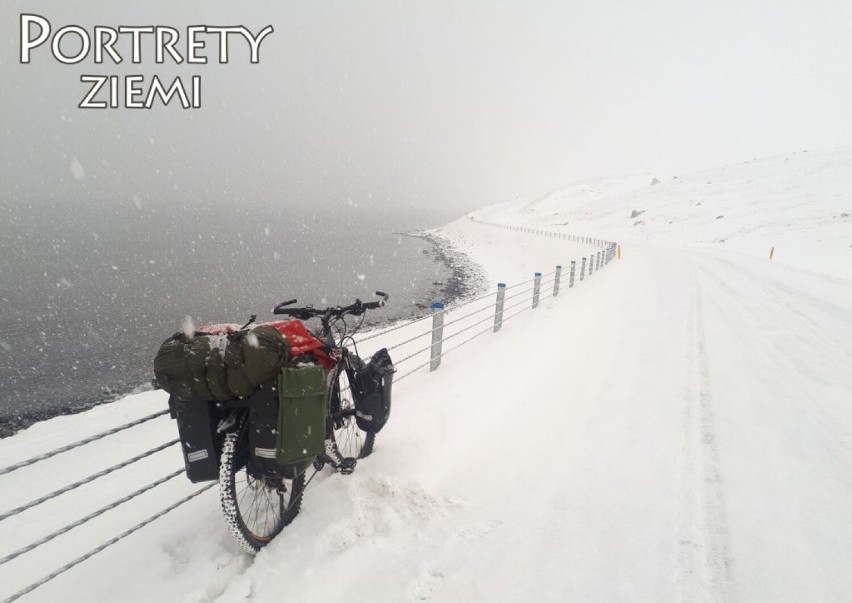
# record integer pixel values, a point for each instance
(257, 406)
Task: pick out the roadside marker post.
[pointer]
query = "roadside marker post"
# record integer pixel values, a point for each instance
(498, 309)
(536, 289)
(437, 334)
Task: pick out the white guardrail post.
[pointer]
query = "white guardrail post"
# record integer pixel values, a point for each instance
(498, 308)
(571, 274)
(583, 269)
(437, 334)
(591, 264)
(536, 289)
(556, 281)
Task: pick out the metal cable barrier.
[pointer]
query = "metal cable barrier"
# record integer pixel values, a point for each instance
(517, 298)
(546, 233)
(87, 480)
(67, 528)
(466, 318)
(47, 455)
(108, 543)
(456, 306)
(90, 516)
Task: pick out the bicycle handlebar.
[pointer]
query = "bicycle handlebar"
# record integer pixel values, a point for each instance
(308, 312)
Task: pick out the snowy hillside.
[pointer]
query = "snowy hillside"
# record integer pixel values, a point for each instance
(677, 428)
(801, 204)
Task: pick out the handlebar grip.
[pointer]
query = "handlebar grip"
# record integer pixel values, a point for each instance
(279, 309)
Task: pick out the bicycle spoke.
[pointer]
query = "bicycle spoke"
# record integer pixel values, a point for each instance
(259, 507)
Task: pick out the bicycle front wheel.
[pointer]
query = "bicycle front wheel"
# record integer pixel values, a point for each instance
(344, 439)
(256, 506)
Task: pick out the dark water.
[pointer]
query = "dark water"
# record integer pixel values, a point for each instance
(87, 293)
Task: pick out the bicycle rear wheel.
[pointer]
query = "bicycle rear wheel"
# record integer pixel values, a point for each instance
(256, 506)
(344, 439)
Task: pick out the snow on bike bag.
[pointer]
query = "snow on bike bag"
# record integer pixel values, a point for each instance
(302, 414)
(200, 443)
(221, 366)
(372, 392)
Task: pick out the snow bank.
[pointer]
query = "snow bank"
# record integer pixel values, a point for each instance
(676, 428)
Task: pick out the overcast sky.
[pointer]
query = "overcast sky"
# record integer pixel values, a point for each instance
(435, 103)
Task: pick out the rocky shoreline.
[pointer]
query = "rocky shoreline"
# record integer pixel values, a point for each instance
(465, 278)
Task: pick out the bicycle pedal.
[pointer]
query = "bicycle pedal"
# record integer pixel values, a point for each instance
(347, 465)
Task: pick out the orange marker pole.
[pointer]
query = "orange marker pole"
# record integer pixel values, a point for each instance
(771, 253)
(619, 252)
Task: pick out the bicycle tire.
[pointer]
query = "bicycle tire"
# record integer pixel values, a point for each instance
(344, 439)
(253, 515)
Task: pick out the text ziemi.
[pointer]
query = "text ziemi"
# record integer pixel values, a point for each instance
(162, 43)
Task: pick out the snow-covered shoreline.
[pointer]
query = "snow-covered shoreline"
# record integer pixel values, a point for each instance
(465, 278)
(671, 429)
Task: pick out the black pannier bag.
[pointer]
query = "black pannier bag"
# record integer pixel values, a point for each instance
(262, 418)
(201, 445)
(372, 392)
(220, 367)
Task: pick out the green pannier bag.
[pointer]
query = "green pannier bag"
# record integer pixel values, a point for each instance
(301, 414)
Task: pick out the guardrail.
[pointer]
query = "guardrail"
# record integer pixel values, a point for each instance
(475, 317)
(82, 482)
(447, 323)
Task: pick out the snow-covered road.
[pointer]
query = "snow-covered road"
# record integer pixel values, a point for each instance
(678, 430)
(678, 427)
(775, 359)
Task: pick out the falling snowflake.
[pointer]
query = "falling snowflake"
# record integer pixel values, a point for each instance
(188, 326)
(77, 169)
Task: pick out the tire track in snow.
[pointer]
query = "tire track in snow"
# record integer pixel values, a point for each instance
(703, 559)
(808, 325)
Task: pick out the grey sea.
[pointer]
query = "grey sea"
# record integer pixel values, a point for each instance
(87, 293)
